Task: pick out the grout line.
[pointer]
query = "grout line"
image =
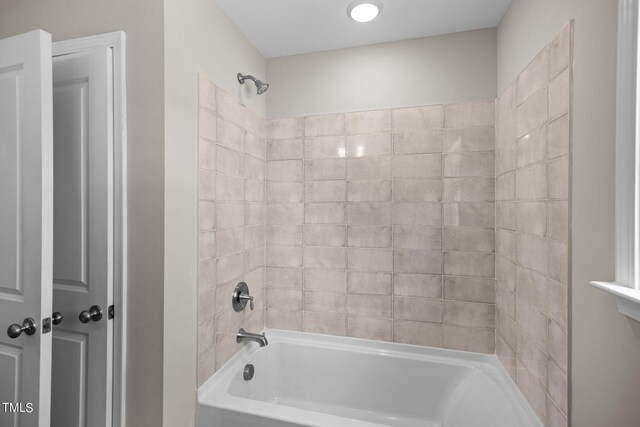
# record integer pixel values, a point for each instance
(442, 221)
(393, 231)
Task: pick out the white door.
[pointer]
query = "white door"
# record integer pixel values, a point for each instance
(26, 216)
(83, 239)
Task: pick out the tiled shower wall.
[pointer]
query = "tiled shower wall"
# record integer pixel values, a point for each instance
(398, 225)
(380, 225)
(533, 143)
(231, 218)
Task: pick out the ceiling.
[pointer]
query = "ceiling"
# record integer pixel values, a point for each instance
(291, 27)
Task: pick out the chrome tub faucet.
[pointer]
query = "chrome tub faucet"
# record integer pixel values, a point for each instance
(243, 335)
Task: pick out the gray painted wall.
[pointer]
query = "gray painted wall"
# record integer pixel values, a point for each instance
(199, 38)
(143, 23)
(432, 70)
(605, 344)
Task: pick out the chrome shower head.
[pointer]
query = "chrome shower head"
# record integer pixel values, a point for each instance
(260, 85)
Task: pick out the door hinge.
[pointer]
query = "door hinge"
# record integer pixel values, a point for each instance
(111, 312)
(46, 325)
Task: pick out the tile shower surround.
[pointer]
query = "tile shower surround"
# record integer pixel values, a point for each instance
(418, 225)
(231, 218)
(380, 225)
(533, 145)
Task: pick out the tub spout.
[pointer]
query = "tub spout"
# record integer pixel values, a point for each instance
(248, 336)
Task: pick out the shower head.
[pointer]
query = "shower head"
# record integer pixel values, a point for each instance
(260, 85)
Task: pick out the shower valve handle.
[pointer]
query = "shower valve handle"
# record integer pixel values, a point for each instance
(241, 296)
(245, 297)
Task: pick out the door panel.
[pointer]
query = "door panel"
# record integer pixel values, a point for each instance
(83, 237)
(26, 213)
(10, 232)
(71, 144)
(72, 348)
(10, 361)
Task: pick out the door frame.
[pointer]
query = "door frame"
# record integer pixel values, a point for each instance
(116, 41)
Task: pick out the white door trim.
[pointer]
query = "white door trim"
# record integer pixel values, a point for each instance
(117, 42)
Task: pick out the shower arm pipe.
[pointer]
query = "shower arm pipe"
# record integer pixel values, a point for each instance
(242, 78)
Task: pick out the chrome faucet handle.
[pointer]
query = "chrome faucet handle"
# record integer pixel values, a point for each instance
(246, 297)
(241, 296)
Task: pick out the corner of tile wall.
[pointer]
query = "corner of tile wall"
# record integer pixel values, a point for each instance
(533, 145)
(231, 221)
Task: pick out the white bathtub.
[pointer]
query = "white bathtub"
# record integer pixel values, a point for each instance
(304, 379)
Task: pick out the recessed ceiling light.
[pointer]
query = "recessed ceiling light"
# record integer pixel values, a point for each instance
(363, 11)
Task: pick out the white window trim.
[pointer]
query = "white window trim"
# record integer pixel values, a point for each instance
(626, 287)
